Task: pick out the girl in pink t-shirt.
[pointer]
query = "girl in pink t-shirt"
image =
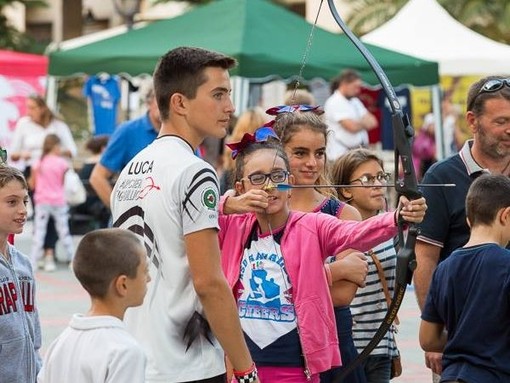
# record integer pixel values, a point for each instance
(47, 181)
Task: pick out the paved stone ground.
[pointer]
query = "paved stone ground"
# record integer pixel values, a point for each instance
(59, 295)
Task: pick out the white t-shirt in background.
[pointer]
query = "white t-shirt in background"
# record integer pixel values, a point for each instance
(336, 109)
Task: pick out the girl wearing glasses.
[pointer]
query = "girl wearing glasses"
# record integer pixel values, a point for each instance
(361, 167)
(274, 262)
(303, 136)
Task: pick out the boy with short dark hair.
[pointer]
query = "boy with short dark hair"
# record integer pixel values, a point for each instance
(470, 290)
(169, 197)
(111, 264)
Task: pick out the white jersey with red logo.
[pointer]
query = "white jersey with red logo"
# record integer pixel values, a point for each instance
(164, 193)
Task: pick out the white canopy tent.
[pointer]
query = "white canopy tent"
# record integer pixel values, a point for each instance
(422, 28)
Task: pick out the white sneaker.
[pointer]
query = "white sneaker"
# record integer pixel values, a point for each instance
(40, 264)
(49, 265)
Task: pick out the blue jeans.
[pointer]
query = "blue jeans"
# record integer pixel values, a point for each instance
(377, 369)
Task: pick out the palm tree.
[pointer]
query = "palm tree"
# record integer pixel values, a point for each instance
(366, 15)
(488, 17)
(10, 37)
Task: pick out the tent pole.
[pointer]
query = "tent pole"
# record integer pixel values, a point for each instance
(128, 101)
(240, 93)
(439, 131)
(51, 92)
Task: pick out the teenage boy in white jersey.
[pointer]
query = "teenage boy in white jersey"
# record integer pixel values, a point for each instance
(169, 196)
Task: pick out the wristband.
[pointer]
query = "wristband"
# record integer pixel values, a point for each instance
(329, 278)
(248, 376)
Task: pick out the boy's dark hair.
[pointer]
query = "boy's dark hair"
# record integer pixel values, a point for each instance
(271, 144)
(181, 70)
(487, 195)
(103, 255)
(8, 174)
(476, 98)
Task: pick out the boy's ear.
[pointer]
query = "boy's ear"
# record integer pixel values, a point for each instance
(505, 216)
(292, 179)
(178, 103)
(120, 285)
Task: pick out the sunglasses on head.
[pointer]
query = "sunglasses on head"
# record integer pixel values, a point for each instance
(276, 110)
(491, 86)
(262, 134)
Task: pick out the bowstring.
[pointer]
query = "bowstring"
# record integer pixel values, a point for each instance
(304, 60)
(297, 83)
(306, 53)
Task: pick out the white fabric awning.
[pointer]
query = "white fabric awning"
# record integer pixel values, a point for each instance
(422, 28)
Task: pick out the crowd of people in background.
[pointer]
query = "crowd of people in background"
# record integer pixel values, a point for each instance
(253, 266)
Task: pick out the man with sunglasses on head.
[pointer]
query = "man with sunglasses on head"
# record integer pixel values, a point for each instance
(444, 227)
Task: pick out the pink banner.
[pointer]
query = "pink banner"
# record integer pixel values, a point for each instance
(21, 74)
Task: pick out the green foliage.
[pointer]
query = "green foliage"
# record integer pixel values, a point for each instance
(10, 37)
(490, 18)
(487, 17)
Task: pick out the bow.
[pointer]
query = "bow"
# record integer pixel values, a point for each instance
(407, 186)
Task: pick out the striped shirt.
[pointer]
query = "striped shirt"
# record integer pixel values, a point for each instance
(369, 307)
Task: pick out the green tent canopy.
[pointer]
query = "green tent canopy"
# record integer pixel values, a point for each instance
(266, 39)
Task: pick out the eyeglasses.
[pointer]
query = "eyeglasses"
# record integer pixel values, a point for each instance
(369, 180)
(276, 176)
(489, 87)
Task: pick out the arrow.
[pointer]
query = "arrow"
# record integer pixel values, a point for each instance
(284, 187)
